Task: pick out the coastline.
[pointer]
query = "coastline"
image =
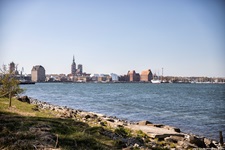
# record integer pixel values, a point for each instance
(159, 132)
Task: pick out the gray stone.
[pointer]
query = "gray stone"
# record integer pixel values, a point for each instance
(111, 120)
(87, 116)
(24, 99)
(174, 139)
(197, 141)
(158, 125)
(172, 128)
(144, 122)
(186, 145)
(169, 139)
(120, 126)
(209, 143)
(35, 108)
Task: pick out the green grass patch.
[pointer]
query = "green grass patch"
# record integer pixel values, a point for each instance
(124, 132)
(21, 127)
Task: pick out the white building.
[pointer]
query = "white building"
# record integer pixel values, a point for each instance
(115, 77)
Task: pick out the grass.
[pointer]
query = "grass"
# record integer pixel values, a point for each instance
(124, 132)
(21, 127)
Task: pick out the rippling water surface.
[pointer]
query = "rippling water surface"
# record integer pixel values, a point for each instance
(194, 108)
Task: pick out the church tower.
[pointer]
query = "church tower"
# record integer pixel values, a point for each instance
(73, 67)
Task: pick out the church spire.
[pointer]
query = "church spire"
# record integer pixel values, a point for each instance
(73, 67)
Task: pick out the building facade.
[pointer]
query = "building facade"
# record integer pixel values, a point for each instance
(146, 76)
(133, 76)
(115, 77)
(80, 69)
(38, 74)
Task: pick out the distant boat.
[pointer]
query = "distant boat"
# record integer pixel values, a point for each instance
(25, 82)
(156, 81)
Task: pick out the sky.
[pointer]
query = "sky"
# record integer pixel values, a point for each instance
(184, 37)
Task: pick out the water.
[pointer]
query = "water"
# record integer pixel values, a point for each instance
(194, 108)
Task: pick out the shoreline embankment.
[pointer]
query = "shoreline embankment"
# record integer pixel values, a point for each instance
(159, 132)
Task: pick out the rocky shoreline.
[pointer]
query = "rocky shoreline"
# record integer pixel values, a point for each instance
(169, 137)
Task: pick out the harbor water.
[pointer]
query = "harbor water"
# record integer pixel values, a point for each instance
(194, 108)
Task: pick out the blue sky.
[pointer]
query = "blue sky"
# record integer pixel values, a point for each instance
(185, 37)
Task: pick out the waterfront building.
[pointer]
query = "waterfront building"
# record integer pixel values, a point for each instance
(80, 69)
(73, 67)
(38, 74)
(83, 79)
(133, 76)
(124, 78)
(115, 77)
(146, 76)
(94, 77)
(104, 78)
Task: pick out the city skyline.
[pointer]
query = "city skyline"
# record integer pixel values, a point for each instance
(186, 38)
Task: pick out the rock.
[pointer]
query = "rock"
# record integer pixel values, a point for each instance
(197, 141)
(120, 126)
(95, 116)
(144, 122)
(169, 139)
(172, 128)
(24, 99)
(111, 120)
(209, 143)
(174, 139)
(186, 145)
(136, 145)
(35, 108)
(102, 124)
(87, 117)
(158, 125)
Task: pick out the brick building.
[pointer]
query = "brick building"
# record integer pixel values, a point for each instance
(133, 76)
(146, 76)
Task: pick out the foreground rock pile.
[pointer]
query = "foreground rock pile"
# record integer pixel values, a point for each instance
(143, 134)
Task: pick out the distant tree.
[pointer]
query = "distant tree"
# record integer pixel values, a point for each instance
(9, 85)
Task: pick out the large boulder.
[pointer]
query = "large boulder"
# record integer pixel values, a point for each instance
(24, 99)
